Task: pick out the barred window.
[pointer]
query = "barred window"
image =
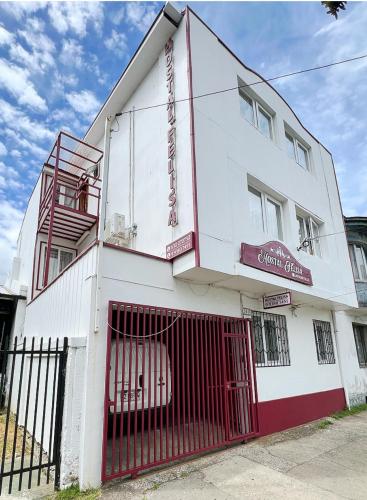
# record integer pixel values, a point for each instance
(271, 339)
(360, 336)
(324, 342)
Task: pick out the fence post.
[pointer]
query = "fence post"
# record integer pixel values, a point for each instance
(59, 412)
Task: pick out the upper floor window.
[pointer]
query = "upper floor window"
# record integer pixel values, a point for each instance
(254, 113)
(309, 230)
(360, 336)
(265, 213)
(359, 262)
(297, 151)
(60, 258)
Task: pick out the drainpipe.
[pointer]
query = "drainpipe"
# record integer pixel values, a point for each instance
(337, 333)
(102, 221)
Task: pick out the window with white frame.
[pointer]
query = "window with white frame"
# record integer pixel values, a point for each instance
(324, 342)
(59, 259)
(358, 258)
(265, 213)
(254, 113)
(297, 151)
(270, 339)
(308, 234)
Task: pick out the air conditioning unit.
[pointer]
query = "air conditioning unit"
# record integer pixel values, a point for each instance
(116, 231)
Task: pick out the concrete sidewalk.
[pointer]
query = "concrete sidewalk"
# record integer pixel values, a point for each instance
(303, 463)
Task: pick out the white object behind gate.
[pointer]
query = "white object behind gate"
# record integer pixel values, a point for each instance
(160, 376)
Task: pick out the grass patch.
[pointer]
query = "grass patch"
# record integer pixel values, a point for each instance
(74, 492)
(346, 413)
(10, 437)
(324, 423)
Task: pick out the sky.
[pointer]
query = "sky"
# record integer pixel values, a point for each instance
(60, 60)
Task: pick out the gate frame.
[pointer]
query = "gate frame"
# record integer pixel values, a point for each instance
(251, 363)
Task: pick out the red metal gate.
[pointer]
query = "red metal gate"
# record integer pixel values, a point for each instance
(177, 383)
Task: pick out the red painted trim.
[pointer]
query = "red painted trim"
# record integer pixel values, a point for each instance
(192, 139)
(255, 73)
(64, 270)
(136, 252)
(280, 414)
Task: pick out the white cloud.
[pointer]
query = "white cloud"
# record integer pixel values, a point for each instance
(117, 43)
(16, 81)
(22, 9)
(76, 16)
(6, 38)
(14, 118)
(84, 102)
(141, 16)
(10, 223)
(118, 16)
(3, 149)
(72, 53)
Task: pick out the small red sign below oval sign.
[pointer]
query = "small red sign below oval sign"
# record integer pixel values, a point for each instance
(274, 257)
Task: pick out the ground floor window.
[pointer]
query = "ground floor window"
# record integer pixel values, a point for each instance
(271, 339)
(360, 336)
(324, 342)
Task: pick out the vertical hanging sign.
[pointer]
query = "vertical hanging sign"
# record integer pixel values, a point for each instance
(171, 136)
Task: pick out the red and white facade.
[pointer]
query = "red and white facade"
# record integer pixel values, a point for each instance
(197, 205)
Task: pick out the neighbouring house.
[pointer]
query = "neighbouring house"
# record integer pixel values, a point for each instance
(185, 219)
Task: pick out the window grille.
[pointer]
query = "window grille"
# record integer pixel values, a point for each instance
(324, 342)
(360, 336)
(270, 339)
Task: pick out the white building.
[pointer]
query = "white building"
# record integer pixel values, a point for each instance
(197, 206)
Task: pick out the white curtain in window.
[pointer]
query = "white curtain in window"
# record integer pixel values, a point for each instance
(65, 259)
(53, 265)
(256, 208)
(264, 123)
(247, 108)
(274, 220)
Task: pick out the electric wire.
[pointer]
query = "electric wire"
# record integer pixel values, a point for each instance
(145, 336)
(238, 87)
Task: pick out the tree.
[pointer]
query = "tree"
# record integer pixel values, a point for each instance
(334, 7)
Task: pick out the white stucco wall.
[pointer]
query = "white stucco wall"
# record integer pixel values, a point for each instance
(229, 150)
(355, 377)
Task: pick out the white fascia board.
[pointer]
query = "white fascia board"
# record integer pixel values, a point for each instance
(148, 52)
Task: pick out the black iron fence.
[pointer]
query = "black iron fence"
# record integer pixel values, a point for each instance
(32, 383)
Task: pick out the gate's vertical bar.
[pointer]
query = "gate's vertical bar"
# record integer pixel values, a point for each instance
(197, 385)
(211, 379)
(116, 377)
(60, 410)
(253, 367)
(172, 332)
(193, 393)
(206, 385)
(167, 393)
(52, 437)
(136, 382)
(26, 418)
(149, 381)
(20, 383)
(44, 411)
(186, 373)
(182, 396)
(122, 392)
(225, 378)
(35, 412)
(107, 392)
(143, 392)
(129, 390)
(155, 387)
(219, 376)
(178, 384)
(202, 384)
(160, 383)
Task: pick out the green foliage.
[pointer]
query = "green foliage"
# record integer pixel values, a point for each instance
(334, 7)
(324, 423)
(74, 492)
(352, 411)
